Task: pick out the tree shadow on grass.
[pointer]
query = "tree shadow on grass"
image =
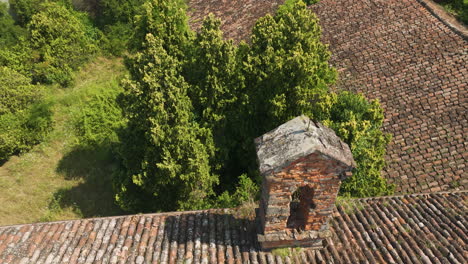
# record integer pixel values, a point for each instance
(93, 167)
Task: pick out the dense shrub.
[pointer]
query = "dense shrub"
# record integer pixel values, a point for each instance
(25, 9)
(56, 41)
(112, 12)
(458, 8)
(13, 52)
(21, 130)
(96, 123)
(246, 191)
(61, 44)
(24, 119)
(16, 91)
(311, 2)
(116, 38)
(358, 122)
(11, 134)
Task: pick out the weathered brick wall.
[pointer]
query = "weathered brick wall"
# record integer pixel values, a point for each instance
(299, 155)
(398, 52)
(315, 171)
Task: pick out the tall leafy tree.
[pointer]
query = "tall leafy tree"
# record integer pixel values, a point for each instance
(287, 67)
(165, 152)
(166, 20)
(213, 73)
(288, 74)
(212, 69)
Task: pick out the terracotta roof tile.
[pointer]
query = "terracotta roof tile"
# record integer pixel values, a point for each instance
(420, 228)
(400, 53)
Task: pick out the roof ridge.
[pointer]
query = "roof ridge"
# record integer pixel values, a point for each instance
(226, 210)
(446, 19)
(410, 195)
(172, 213)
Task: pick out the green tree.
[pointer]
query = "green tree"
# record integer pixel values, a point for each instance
(117, 11)
(60, 43)
(165, 153)
(165, 20)
(18, 57)
(213, 72)
(286, 74)
(14, 51)
(227, 95)
(287, 68)
(24, 10)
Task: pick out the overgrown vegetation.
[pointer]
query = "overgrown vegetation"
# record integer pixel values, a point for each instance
(46, 45)
(177, 133)
(24, 118)
(284, 253)
(69, 174)
(195, 102)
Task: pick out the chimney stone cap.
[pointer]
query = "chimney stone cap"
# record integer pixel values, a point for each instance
(298, 138)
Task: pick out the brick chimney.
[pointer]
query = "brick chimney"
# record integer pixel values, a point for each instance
(302, 164)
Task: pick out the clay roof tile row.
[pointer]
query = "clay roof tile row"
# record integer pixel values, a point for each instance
(423, 228)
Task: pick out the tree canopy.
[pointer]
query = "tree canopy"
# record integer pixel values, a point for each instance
(171, 169)
(195, 102)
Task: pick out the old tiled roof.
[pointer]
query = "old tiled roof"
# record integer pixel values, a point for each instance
(423, 228)
(400, 53)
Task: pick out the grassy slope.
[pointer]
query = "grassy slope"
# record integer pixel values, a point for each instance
(57, 180)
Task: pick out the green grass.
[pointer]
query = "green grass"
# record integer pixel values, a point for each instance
(458, 8)
(349, 205)
(286, 252)
(60, 179)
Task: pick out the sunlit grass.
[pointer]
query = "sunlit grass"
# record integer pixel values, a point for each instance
(58, 180)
